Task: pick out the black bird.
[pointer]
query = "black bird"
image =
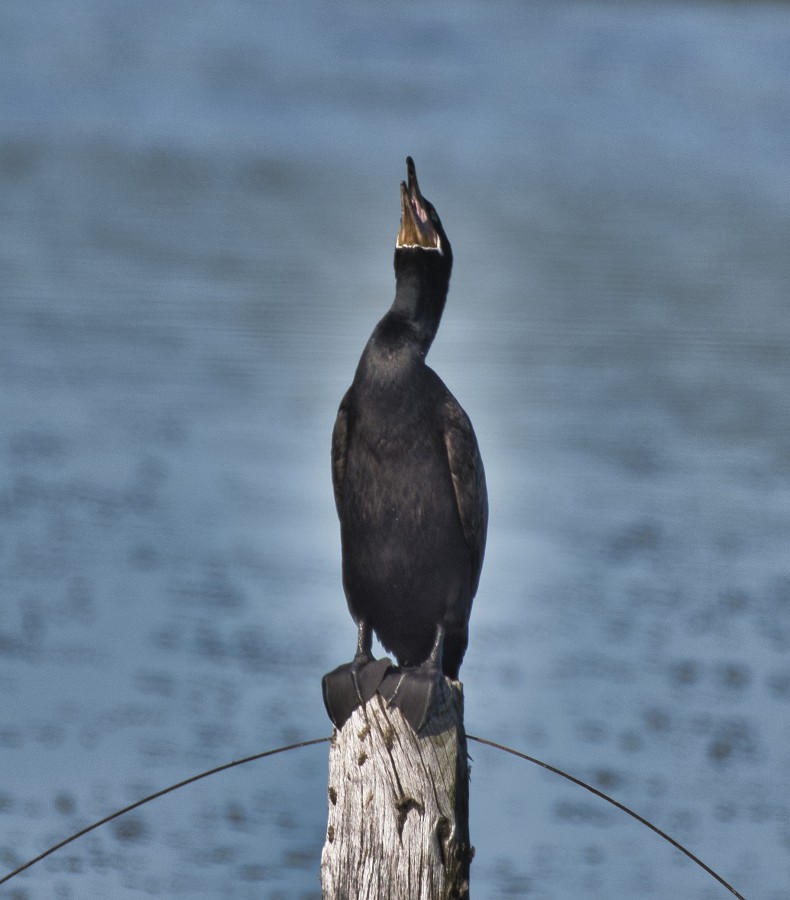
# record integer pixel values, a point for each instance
(409, 488)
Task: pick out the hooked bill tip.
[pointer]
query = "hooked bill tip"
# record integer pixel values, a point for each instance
(414, 188)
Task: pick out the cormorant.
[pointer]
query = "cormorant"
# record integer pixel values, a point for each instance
(409, 489)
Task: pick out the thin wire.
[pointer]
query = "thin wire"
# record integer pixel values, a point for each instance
(324, 740)
(167, 790)
(614, 802)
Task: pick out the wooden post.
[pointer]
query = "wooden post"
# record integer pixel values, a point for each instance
(399, 805)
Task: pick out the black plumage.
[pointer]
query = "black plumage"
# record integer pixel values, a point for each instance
(409, 482)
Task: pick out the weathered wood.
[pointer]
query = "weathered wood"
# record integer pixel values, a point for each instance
(399, 805)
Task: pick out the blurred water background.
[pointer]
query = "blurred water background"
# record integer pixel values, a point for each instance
(198, 207)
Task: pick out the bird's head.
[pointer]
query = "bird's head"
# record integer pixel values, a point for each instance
(420, 226)
(423, 261)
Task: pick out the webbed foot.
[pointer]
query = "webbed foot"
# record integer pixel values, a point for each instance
(413, 691)
(352, 685)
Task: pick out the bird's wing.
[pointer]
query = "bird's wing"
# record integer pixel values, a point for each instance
(469, 482)
(339, 449)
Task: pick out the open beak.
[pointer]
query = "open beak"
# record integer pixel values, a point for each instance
(416, 227)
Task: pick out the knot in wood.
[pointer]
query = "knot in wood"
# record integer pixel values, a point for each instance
(404, 805)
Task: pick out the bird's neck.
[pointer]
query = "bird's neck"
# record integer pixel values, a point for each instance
(419, 301)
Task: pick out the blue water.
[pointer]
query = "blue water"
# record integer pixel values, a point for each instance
(198, 206)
